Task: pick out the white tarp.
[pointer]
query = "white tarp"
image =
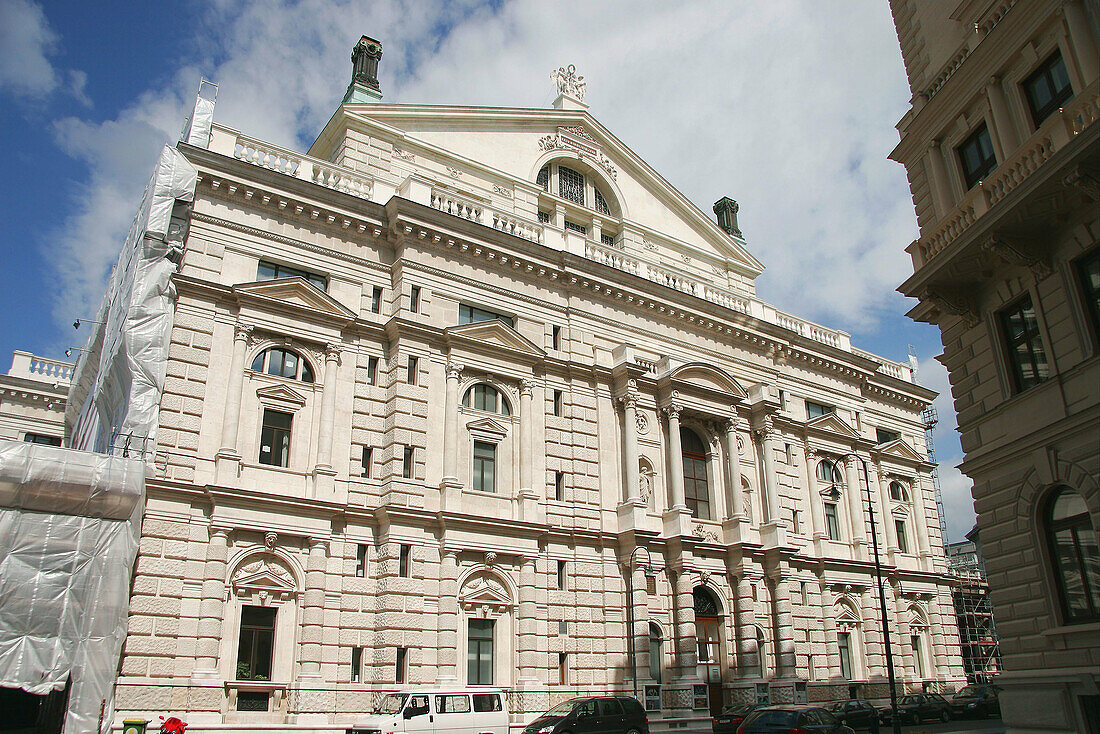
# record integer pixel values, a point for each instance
(69, 527)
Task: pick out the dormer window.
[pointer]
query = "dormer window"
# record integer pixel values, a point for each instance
(582, 189)
(282, 363)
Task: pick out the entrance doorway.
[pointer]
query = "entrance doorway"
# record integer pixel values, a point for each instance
(709, 646)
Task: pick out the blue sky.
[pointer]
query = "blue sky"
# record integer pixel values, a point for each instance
(788, 107)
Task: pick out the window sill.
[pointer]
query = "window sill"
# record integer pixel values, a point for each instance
(1069, 630)
(256, 685)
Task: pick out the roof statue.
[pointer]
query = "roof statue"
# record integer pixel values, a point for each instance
(569, 82)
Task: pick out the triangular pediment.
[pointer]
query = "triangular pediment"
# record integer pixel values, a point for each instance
(484, 590)
(264, 579)
(493, 335)
(281, 394)
(899, 448)
(833, 423)
(487, 425)
(295, 292)
(706, 377)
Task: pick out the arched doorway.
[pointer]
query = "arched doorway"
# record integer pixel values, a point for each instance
(708, 639)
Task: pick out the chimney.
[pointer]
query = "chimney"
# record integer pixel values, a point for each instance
(726, 211)
(364, 72)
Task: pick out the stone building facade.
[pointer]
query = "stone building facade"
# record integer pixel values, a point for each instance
(32, 399)
(442, 388)
(1001, 148)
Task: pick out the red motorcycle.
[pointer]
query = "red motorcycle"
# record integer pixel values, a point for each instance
(172, 725)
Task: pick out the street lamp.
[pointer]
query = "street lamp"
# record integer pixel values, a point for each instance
(630, 611)
(881, 594)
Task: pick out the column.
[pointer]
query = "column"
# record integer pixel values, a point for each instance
(1004, 129)
(938, 666)
(886, 517)
(748, 662)
(328, 407)
(450, 425)
(832, 649)
(211, 605)
(873, 653)
(313, 608)
(765, 431)
(684, 610)
(817, 511)
(784, 626)
(448, 618)
(527, 624)
(640, 603)
(941, 185)
(676, 459)
(527, 438)
(630, 446)
(227, 460)
(1083, 43)
(855, 506)
(920, 515)
(733, 469)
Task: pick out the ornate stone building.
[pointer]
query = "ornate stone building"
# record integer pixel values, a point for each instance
(32, 399)
(442, 388)
(1001, 147)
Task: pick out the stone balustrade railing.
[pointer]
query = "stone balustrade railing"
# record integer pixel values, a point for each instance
(266, 155)
(516, 226)
(1056, 132)
(457, 206)
(610, 256)
(32, 367)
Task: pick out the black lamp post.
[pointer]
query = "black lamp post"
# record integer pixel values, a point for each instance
(881, 595)
(631, 652)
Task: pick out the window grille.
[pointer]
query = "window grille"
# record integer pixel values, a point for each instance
(601, 203)
(570, 185)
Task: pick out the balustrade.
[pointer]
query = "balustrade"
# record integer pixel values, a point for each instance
(449, 203)
(341, 179)
(265, 155)
(518, 227)
(33, 367)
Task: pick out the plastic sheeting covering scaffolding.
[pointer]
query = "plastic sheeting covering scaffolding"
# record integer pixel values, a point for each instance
(70, 518)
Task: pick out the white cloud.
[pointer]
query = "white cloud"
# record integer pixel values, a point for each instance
(786, 106)
(26, 40)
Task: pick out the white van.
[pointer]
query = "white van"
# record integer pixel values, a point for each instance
(438, 711)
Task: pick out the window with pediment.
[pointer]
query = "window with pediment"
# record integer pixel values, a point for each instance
(696, 491)
(282, 362)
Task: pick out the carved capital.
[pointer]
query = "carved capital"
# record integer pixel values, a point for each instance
(332, 353)
(242, 332)
(527, 387)
(454, 370)
(672, 411)
(1086, 181)
(764, 427)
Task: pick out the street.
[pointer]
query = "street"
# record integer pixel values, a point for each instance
(985, 726)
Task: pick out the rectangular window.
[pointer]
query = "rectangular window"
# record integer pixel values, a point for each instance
(479, 653)
(555, 337)
(976, 156)
(1024, 345)
(367, 461)
(356, 664)
(361, 560)
(574, 227)
(273, 271)
(403, 556)
(557, 402)
(401, 666)
(832, 524)
(372, 370)
(275, 438)
(411, 373)
(782, 400)
(414, 299)
(544, 217)
(787, 453)
(563, 668)
(883, 435)
(796, 522)
(844, 642)
(814, 410)
(255, 643)
(42, 439)
(559, 486)
(563, 629)
(903, 541)
(1047, 88)
(484, 469)
(407, 463)
(474, 315)
(561, 577)
(918, 655)
(696, 492)
(571, 185)
(1088, 269)
(376, 300)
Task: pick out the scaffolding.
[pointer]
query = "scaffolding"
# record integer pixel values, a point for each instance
(981, 647)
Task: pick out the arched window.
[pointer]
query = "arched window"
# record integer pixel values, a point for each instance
(656, 653)
(488, 398)
(898, 493)
(696, 491)
(1075, 555)
(828, 474)
(829, 477)
(575, 186)
(282, 363)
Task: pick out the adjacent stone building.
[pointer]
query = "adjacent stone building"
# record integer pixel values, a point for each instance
(1002, 148)
(32, 399)
(442, 388)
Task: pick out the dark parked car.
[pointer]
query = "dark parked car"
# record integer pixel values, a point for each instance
(592, 715)
(920, 707)
(731, 718)
(782, 719)
(977, 699)
(856, 713)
